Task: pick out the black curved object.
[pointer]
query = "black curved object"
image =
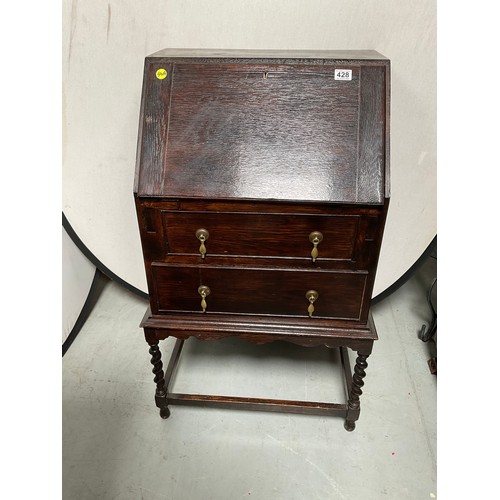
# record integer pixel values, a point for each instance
(428, 252)
(97, 263)
(95, 290)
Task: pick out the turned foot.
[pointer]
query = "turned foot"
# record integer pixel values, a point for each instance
(164, 412)
(349, 425)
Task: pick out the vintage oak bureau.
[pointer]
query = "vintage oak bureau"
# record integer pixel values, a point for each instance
(262, 188)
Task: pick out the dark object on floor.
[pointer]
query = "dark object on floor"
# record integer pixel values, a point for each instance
(433, 365)
(426, 333)
(429, 332)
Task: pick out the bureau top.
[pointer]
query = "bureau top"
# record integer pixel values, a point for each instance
(251, 55)
(265, 125)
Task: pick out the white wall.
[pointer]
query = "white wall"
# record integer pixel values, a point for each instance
(104, 48)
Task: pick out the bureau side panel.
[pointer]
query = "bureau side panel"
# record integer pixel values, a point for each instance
(371, 135)
(153, 128)
(153, 241)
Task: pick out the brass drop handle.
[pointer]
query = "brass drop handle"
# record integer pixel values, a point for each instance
(315, 238)
(202, 235)
(311, 296)
(204, 291)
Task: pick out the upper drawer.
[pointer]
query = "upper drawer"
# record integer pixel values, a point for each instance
(263, 235)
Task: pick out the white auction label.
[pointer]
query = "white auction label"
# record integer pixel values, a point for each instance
(343, 74)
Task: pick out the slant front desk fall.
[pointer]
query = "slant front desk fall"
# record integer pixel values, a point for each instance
(262, 188)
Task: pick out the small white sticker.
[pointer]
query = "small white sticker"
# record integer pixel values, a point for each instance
(343, 74)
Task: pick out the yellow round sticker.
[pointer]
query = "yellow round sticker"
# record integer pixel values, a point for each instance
(161, 73)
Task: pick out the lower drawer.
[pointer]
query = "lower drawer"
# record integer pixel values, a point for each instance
(258, 291)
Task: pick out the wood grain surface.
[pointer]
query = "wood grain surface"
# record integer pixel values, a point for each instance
(259, 290)
(264, 131)
(261, 329)
(285, 235)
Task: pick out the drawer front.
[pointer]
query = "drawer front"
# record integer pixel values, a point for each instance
(263, 235)
(259, 291)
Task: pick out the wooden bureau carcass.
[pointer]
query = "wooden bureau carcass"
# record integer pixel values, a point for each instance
(262, 189)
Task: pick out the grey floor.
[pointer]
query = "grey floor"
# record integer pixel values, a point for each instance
(115, 445)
